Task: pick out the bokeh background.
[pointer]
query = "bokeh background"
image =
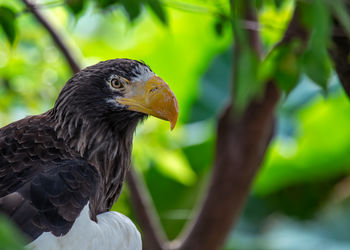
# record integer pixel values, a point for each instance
(300, 198)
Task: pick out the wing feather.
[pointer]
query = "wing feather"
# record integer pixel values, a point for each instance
(44, 184)
(47, 202)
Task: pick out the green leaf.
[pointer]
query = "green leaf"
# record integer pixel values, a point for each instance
(158, 9)
(259, 4)
(103, 4)
(133, 8)
(283, 65)
(8, 23)
(246, 84)
(246, 62)
(317, 66)
(219, 26)
(279, 3)
(10, 238)
(76, 6)
(315, 61)
(341, 11)
(288, 71)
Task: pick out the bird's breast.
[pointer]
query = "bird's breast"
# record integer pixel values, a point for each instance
(112, 231)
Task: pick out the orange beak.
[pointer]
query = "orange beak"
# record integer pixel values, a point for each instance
(153, 97)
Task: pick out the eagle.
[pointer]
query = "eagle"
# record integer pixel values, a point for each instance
(61, 171)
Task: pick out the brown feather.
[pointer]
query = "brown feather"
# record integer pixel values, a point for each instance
(52, 164)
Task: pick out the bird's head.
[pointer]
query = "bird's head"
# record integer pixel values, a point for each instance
(125, 87)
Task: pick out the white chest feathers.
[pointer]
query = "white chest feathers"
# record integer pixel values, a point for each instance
(113, 231)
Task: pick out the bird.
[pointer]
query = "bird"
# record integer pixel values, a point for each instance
(61, 171)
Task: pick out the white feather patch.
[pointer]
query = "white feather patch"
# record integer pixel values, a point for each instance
(143, 75)
(113, 231)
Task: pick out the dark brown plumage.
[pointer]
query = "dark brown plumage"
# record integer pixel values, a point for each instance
(52, 165)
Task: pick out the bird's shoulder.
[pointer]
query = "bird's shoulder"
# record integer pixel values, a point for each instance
(26, 146)
(31, 131)
(43, 183)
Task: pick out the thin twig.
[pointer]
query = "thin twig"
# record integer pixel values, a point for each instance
(153, 235)
(73, 63)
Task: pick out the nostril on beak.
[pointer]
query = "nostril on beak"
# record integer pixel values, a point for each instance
(154, 89)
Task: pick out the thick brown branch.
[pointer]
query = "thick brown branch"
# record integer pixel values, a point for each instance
(241, 145)
(153, 234)
(240, 148)
(55, 36)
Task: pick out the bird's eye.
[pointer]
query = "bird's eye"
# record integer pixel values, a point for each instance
(117, 83)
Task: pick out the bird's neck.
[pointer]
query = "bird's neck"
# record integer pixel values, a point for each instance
(105, 145)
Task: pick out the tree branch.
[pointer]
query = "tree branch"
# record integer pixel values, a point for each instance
(240, 149)
(153, 235)
(55, 36)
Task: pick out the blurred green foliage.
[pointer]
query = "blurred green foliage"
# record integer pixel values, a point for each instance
(7, 22)
(188, 43)
(10, 238)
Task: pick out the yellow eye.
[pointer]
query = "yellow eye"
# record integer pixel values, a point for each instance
(117, 83)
